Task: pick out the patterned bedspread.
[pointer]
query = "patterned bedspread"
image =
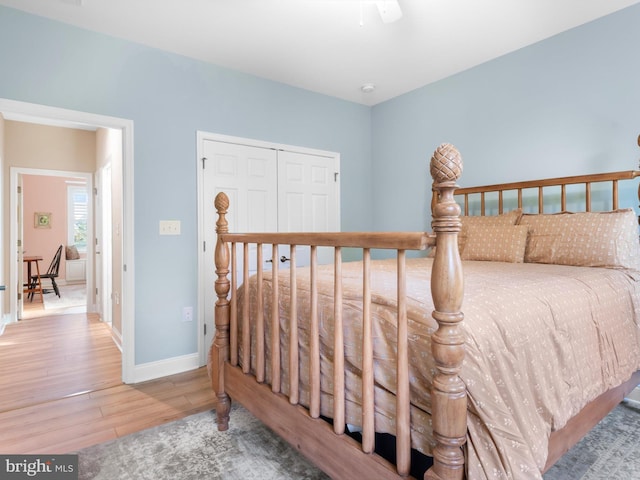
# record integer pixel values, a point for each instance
(541, 342)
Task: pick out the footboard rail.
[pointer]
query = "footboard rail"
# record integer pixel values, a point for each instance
(448, 393)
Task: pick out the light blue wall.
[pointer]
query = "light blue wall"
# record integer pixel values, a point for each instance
(565, 106)
(169, 98)
(568, 105)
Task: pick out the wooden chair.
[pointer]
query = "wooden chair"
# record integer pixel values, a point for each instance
(52, 274)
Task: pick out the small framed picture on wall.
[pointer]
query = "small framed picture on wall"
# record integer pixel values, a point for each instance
(42, 220)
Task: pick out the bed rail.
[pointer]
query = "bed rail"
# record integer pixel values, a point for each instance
(382, 240)
(448, 391)
(538, 187)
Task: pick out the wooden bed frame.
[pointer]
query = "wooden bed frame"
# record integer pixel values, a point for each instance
(324, 443)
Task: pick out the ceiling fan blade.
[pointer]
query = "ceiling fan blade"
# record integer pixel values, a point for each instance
(389, 10)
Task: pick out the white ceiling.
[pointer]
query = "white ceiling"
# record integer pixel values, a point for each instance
(320, 45)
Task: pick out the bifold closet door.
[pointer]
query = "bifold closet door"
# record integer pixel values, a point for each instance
(269, 190)
(308, 193)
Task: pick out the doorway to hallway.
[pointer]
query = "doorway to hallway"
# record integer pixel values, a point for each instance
(122, 226)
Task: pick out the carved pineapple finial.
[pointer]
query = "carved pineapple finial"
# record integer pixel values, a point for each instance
(221, 202)
(446, 164)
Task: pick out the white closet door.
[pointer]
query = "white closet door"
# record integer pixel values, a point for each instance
(248, 175)
(308, 198)
(269, 190)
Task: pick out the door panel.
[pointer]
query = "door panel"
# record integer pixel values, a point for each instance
(247, 175)
(308, 193)
(104, 244)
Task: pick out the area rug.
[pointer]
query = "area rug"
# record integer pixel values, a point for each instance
(611, 451)
(71, 296)
(192, 448)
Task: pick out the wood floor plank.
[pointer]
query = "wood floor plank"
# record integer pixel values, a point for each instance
(34, 429)
(39, 359)
(60, 388)
(36, 414)
(80, 442)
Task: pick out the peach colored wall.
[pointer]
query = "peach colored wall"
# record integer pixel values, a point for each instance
(44, 194)
(55, 148)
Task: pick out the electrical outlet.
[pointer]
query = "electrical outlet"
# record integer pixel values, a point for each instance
(169, 227)
(187, 314)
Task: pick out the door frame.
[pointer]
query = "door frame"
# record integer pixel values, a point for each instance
(201, 136)
(47, 115)
(15, 257)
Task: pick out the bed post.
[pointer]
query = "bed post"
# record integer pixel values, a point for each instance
(220, 345)
(448, 392)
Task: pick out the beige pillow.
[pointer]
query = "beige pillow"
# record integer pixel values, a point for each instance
(495, 243)
(589, 239)
(508, 218)
(71, 253)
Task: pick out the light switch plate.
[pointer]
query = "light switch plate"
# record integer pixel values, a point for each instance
(169, 227)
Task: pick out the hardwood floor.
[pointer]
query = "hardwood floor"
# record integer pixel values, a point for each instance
(60, 388)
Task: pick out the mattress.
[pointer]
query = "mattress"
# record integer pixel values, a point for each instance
(541, 341)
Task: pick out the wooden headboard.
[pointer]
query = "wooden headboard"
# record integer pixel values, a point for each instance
(464, 196)
(587, 180)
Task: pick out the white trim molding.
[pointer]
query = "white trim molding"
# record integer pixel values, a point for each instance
(168, 366)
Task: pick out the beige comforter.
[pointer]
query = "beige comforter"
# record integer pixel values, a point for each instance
(541, 342)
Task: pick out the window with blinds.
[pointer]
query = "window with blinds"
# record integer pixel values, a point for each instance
(77, 214)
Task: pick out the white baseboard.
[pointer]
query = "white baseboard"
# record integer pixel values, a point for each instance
(4, 320)
(117, 338)
(162, 368)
